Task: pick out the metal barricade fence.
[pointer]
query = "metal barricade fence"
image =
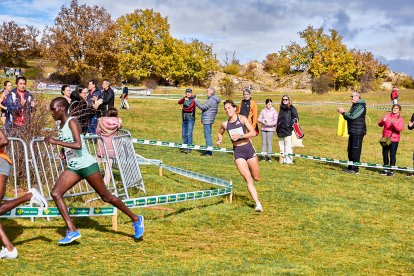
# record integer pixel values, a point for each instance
(127, 164)
(48, 166)
(20, 170)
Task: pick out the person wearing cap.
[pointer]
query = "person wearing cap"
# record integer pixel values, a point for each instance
(394, 95)
(188, 117)
(248, 108)
(208, 115)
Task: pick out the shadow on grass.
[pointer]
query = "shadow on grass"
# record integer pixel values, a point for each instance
(88, 223)
(18, 230)
(186, 209)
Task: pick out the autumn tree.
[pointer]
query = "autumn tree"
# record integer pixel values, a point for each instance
(327, 59)
(144, 45)
(17, 43)
(146, 50)
(82, 42)
(278, 63)
(192, 62)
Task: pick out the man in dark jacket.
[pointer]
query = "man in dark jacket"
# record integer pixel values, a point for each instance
(357, 128)
(108, 98)
(208, 115)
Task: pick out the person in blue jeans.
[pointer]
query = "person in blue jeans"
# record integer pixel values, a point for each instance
(188, 117)
(208, 115)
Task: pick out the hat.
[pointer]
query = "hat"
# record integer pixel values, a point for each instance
(188, 90)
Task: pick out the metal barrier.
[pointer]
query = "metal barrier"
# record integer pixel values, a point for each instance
(48, 166)
(127, 164)
(20, 171)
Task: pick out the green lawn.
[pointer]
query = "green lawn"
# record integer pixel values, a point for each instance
(316, 219)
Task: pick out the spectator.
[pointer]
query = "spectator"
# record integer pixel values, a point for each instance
(66, 92)
(241, 131)
(411, 127)
(248, 108)
(208, 115)
(33, 195)
(107, 127)
(94, 98)
(6, 91)
(188, 117)
(393, 124)
(79, 107)
(285, 120)
(124, 96)
(20, 105)
(357, 129)
(394, 95)
(108, 98)
(268, 119)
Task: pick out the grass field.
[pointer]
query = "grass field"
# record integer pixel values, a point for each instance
(316, 219)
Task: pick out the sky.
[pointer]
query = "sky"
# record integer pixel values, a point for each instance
(253, 29)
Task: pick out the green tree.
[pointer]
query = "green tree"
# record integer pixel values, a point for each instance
(144, 45)
(82, 41)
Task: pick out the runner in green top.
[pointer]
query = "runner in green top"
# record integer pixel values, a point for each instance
(81, 165)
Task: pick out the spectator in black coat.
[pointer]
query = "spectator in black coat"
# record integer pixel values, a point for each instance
(285, 120)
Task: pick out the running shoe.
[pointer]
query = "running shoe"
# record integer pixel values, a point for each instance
(139, 227)
(38, 198)
(6, 254)
(259, 207)
(70, 237)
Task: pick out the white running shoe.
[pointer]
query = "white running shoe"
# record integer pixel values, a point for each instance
(38, 198)
(259, 207)
(6, 254)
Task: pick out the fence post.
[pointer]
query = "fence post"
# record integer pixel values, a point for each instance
(229, 197)
(160, 169)
(115, 221)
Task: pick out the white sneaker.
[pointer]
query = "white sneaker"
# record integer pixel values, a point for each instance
(259, 207)
(6, 254)
(38, 198)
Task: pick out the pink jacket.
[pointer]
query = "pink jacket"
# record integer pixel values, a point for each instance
(268, 119)
(107, 127)
(393, 124)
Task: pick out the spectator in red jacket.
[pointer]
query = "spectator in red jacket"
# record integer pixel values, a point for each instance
(394, 95)
(392, 124)
(188, 116)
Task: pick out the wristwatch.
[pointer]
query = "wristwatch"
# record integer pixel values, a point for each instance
(242, 136)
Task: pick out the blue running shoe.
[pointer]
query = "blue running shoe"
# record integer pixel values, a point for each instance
(70, 237)
(139, 227)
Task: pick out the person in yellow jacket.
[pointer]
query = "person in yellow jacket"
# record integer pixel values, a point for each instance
(248, 108)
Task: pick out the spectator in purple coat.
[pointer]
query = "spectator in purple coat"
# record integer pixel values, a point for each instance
(208, 115)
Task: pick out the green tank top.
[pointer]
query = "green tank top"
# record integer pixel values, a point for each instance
(75, 159)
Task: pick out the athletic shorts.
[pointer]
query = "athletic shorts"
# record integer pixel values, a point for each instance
(85, 172)
(245, 152)
(4, 167)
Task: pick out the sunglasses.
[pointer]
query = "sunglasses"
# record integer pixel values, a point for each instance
(285, 99)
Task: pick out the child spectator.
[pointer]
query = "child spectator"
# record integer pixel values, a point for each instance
(268, 119)
(107, 127)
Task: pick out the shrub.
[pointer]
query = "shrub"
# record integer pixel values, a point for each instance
(227, 87)
(151, 83)
(61, 77)
(322, 84)
(367, 82)
(232, 69)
